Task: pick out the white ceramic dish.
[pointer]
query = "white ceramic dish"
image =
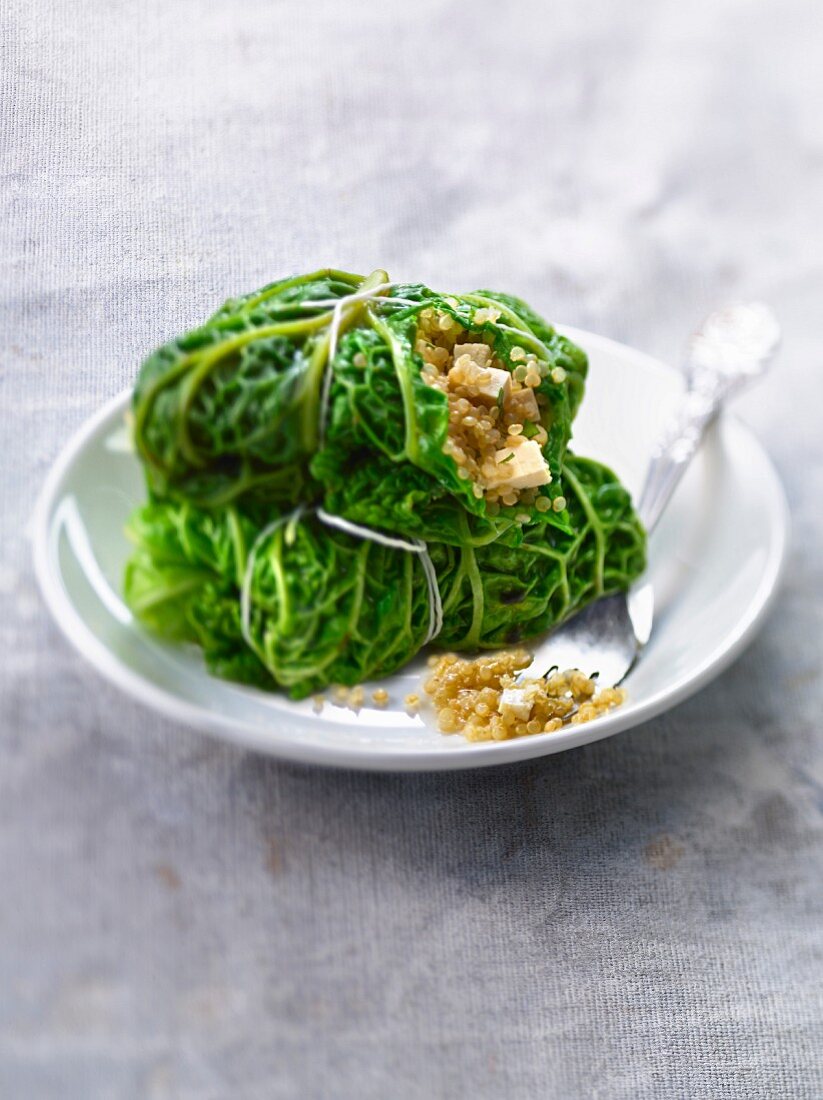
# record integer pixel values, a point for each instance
(715, 561)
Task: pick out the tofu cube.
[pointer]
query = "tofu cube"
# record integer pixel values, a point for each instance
(514, 704)
(526, 469)
(480, 354)
(523, 405)
(487, 382)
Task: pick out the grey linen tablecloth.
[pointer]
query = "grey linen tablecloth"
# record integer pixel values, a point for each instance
(639, 918)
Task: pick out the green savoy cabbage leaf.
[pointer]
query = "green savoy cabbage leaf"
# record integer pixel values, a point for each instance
(309, 394)
(329, 607)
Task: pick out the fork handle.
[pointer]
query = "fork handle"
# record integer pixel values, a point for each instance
(732, 346)
(676, 448)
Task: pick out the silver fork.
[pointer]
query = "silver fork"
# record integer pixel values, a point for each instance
(733, 346)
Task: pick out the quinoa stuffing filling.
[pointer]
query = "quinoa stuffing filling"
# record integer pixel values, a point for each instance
(496, 428)
(481, 699)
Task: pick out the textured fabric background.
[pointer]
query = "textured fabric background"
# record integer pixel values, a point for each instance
(640, 918)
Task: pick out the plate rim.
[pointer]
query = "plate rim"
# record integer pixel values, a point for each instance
(281, 741)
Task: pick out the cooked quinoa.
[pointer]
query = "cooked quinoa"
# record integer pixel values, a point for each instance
(495, 433)
(479, 698)
(342, 696)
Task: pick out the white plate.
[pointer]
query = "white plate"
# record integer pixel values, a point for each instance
(715, 561)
